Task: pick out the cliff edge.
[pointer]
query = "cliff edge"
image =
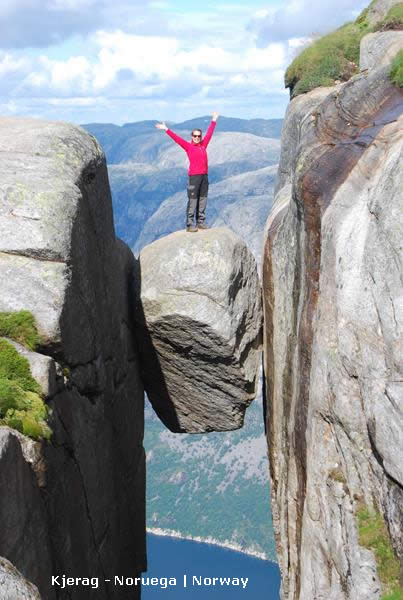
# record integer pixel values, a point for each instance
(73, 505)
(332, 277)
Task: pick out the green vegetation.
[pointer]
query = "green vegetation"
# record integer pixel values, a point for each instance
(21, 404)
(374, 536)
(393, 20)
(396, 69)
(333, 56)
(20, 326)
(396, 595)
(336, 56)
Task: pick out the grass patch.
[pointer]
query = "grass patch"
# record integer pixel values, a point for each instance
(334, 56)
(21, 403)
(20, 326)
(331, 57)
(396, 595)
(396, 69)
(374, 536)
(393, 20)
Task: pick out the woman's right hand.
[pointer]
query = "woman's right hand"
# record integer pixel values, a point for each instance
(161, 126)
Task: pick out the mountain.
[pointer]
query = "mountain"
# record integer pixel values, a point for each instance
(148, 176)
(211, 486)
(119, 142)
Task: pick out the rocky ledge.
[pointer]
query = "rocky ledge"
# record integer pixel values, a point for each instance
(199, 318)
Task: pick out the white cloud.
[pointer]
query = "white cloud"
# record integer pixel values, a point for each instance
(145, 66)
(142, 56)
(302, 18)
(41, 23)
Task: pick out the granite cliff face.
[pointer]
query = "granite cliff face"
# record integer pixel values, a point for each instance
(74, 505)
(332, 278)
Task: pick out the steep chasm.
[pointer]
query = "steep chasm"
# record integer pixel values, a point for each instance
(332, 277)
(185, 319)
(73, 505)
(199, 323)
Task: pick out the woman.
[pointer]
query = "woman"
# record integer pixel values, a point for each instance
(197, 188)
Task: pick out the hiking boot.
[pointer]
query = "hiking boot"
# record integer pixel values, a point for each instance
(191, 229)
(202, 226)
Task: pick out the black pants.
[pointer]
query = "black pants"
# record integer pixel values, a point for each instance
(197, 198)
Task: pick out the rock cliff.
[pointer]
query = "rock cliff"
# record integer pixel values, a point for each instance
(332, 278)
(200, 328)
(74, 505)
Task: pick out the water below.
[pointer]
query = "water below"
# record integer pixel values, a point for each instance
(195, 565)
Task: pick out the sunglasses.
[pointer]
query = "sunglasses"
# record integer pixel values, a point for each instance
(198, 136)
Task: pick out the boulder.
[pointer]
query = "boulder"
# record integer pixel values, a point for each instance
(200, 314)
(13, 585)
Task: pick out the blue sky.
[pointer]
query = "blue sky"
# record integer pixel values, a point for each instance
(127, 60)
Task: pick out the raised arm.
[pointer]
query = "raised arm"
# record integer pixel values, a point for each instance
(210, 130)
(176, 138)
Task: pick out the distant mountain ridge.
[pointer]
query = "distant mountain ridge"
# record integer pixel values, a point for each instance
(147, 170)
(115, 137)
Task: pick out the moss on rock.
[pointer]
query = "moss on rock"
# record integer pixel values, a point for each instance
(332, 57)
(396, 70)
(21, 403)
(20, 326)
(374, 536)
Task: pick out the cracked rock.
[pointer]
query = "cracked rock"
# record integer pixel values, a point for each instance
(201, 319)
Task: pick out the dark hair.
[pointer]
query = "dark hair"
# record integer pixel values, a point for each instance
(201, 133)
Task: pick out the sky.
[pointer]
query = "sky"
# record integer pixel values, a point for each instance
(119, 61)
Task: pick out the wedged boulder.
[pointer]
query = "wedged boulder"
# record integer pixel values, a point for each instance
(200, 314)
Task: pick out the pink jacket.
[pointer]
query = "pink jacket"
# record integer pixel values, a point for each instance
(197, 153)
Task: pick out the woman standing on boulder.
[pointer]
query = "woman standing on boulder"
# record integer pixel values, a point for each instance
(198, 172)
